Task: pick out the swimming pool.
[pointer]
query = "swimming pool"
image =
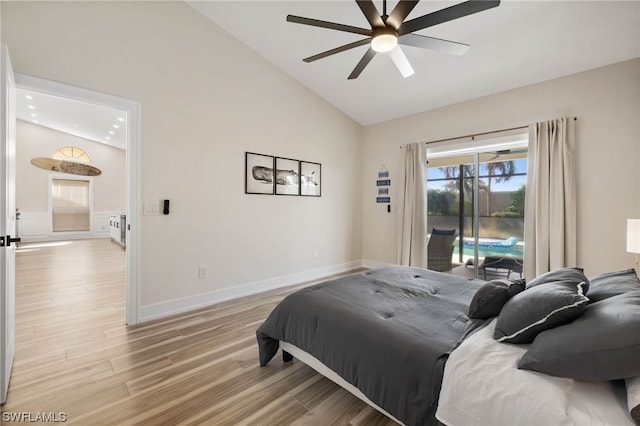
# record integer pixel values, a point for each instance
(497, 248)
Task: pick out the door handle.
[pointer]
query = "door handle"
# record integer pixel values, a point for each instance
(6, 241)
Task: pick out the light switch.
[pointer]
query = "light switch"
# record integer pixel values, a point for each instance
(151, 208)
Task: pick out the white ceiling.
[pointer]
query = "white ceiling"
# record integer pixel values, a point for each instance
(513, 45)
(516, 44)
(89, 121)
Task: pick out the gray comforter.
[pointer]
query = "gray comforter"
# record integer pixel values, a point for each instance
(387, 331)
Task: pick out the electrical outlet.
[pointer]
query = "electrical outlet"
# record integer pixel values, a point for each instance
(202, 272)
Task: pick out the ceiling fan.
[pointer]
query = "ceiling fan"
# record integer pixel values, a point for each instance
(387, 31)
(501, 152)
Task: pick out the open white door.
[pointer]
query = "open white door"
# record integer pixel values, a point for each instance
(7, 221)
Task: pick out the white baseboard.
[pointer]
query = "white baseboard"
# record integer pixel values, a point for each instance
(184, 304)
(372, 264)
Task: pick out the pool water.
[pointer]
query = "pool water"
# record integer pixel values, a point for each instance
(516, 250)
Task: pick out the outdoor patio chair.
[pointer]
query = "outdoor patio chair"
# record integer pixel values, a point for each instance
(440, 249)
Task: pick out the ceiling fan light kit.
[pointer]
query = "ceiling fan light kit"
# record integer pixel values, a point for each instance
(388, 32)
(384, 40)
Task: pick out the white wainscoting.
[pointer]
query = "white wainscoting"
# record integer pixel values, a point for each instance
(101, 224)
(35, 227)
(171, 307)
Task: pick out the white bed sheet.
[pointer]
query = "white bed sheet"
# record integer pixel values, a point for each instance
(482, 386)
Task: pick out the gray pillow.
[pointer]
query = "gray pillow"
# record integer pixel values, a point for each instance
(491, 297)
(603, 344)
(613, 283)
(571, 275)
(540, 308)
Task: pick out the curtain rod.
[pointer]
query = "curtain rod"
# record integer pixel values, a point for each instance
(479, 134)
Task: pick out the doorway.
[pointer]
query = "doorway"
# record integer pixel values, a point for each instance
(130, 109)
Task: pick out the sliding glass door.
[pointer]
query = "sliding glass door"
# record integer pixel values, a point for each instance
(451, 201)
(479, 194)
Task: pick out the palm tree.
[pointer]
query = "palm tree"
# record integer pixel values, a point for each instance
(500, 171)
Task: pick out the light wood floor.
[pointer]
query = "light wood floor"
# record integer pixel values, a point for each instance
(74, 355)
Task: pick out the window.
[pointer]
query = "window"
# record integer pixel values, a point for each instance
(71, 205)
(72, 153)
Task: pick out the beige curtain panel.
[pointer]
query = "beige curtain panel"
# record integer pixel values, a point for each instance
(412, 215)
(550, 201)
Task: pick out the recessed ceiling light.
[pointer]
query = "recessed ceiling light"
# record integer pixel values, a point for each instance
(34, 115)
(29, 97)
(120, 119)
(111, 132)
(116, 126)
(31, 107)
(108, 138)
(35, 121)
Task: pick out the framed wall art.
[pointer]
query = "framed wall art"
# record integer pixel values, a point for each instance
(287, 176)
(258, 174)
(310, 179)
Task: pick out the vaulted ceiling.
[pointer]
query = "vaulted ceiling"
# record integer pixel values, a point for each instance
(513, 45)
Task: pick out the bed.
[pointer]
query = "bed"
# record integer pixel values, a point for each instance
(482, 373)
(402, 340)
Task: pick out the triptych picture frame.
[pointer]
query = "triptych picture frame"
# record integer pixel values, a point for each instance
(271, 175)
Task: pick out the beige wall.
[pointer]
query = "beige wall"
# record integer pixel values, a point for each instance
(606, 102)
(205, 100)
(32, 182)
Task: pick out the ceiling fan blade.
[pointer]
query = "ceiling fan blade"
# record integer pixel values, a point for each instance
(401, 61)
(329, 25)
(433, 43)
(370, 12)
(368, 56)
(338, 50)
(400, 12)
(448, 14)
(502, 152)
